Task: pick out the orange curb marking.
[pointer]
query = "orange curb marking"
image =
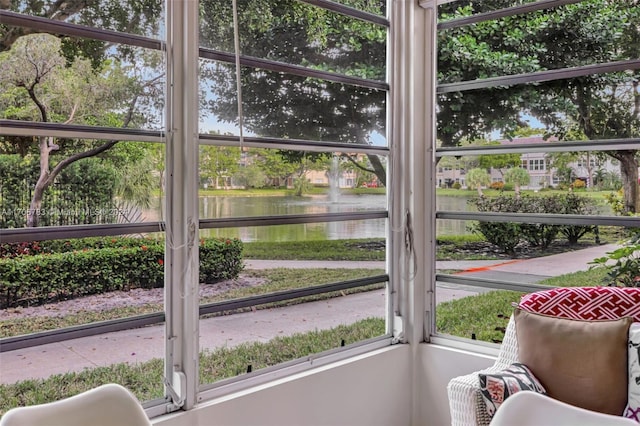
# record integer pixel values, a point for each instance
(487, 268)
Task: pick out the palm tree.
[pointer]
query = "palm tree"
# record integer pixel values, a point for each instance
(518, 177)
(477, 178)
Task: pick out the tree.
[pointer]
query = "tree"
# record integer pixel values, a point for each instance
(136, 17)
(599, 106)
(477, 178)
(360, 167)
(518, 177)
(37, 85)
(499, 162)
(289, 106)
(218, 164)
(274, 165)
(306, 164)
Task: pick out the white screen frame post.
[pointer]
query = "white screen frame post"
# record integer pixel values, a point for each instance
(182, 222)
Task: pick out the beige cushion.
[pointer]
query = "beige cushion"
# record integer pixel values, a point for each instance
(582, 363)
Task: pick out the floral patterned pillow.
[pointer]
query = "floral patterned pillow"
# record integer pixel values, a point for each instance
(497, 387)
(633, 405)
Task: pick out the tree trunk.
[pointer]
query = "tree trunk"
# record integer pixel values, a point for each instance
(378, 168)
(41, 185)
(629, 174)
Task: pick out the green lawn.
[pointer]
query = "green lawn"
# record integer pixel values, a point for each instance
(486, 314)
(145, 379)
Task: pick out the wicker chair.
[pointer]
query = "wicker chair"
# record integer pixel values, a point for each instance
(465, 400)
(587, 303)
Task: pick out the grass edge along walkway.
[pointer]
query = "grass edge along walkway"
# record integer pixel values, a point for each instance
(145, 379)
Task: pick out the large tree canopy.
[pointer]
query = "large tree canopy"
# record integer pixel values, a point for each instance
(288, 106)
(141, 17)
(604, 106)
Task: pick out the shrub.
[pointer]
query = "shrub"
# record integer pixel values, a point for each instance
(507, 236)
(616, 201)
(46, 277)
(622, 264)
(573, 204)
(456, 185)
(220, 259)
(497, 185)
(539, 234)
(76, 244)
(82, 193)
(579, 184)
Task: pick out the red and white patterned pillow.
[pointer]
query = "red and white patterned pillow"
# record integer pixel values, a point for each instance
(584, 303)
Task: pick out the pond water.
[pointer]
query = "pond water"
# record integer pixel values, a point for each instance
(227, 207)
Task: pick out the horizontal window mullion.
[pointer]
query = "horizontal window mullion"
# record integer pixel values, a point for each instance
(61, 130)
(290, 219)
(502, 13)
(34, 128)
(547, 218)
(285, 68)
(53, 336)
(566, 146)
(539, 76)
(281, 296)
(488, 283)
(291, 144)
(44, 233)
(69, 29)
(349, 11)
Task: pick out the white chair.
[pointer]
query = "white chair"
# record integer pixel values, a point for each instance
(533, 409)
(106, 405)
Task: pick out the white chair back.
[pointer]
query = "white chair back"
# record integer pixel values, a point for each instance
(106, 405)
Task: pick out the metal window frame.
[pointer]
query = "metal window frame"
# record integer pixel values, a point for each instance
(181, 141)
(539, 76)
(566, 146)
(181, 284)
(500, 13)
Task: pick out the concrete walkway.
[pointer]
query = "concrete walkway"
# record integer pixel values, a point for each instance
(142, 344)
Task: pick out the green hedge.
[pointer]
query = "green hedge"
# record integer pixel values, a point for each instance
(61, 246)
(42, 278)
(509, 235)
(220, 259)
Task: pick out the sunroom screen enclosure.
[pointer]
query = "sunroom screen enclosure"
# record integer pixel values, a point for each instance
(206, 97)
(504, 129)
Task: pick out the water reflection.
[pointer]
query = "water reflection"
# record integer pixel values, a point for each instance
(306, 231)
(228, 207)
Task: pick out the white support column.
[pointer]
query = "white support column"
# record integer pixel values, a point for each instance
(425, 155)
(413, 81)
(181, 247)
(413, 140)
